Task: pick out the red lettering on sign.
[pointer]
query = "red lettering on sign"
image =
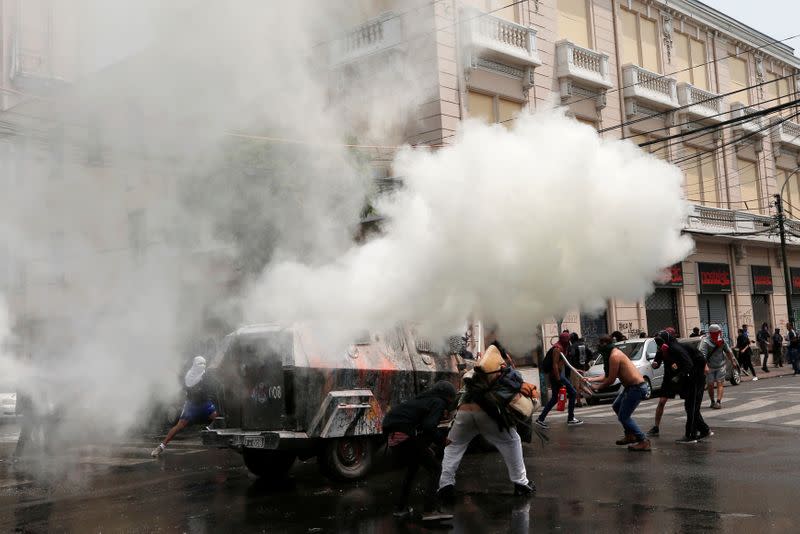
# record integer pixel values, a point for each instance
(763, 280)
(715, 278)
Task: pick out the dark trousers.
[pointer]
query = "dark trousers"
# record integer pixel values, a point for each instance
(413, 454)
(572, 394)
(693, 398)
(777, 357)
(746, 360)
(763, 349)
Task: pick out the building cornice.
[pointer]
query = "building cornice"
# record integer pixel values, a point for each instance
(692, 10)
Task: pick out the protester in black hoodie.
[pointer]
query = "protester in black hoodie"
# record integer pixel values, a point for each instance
(689, 368)
(411, 428)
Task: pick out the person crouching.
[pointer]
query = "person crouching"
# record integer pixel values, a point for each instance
(633, 391)
(411, 429)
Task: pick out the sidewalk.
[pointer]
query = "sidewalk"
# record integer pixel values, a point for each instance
(773, 372)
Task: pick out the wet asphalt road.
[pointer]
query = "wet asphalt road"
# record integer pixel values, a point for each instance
(746, 479)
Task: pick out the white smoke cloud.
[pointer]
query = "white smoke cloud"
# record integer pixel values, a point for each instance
(512, 225)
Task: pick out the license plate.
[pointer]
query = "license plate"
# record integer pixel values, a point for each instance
(254, 442)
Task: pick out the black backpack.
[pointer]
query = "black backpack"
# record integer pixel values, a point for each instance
(547, 363)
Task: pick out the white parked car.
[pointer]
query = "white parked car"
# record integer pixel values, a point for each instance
(642, 352)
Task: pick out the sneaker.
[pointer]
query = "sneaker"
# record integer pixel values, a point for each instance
(524, 489)
(627, 440)
(712, 405)
(755, 378)
(643, 445)
(653, 432)
(446, 494)
(436, 516)
(703, 436)
(541, 424)
(684, 440)
(765, 369)
(155, 453)
(405, 513)
(717, 405)
(574, 422)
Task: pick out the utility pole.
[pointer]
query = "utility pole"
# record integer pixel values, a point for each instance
(786, 273)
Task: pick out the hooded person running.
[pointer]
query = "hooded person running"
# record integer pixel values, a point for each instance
(690, 370)
(411, 429)
(198, 408)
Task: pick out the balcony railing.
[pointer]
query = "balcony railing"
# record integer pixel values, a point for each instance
(582, 65)
(787, 133)
(699, 103)
(753, 125)
(376, 35)
(705, 219)
(653, 89)
(500, 39)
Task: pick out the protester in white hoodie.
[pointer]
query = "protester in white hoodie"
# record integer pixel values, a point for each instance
(198, 407)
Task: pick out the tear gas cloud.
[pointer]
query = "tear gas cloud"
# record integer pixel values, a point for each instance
(514, 225)
(124, 265)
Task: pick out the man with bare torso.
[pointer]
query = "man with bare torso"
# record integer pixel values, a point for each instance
(617, 365)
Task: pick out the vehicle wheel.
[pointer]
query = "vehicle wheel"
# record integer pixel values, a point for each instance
(346, 458)
(648, 388)
(736, 378)
(265, 463)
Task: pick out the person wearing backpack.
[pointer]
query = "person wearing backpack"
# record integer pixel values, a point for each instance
(762, 340)
(485, 410)
(777, 348)
(411, 429)
(553, 364)
(689, 368)
(715, 350)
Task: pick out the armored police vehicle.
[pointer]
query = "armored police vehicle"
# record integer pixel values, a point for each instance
(283, 396)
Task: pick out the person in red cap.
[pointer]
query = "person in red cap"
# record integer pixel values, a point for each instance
(553, 365)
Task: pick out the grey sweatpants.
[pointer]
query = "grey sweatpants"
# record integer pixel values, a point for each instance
(469, 424)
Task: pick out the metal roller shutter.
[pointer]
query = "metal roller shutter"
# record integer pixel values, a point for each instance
(662, 310)
(760, 311)
(796, 306)
(714, 310)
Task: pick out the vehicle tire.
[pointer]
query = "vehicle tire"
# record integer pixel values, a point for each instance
(347, 458)
(735, 378)
(266, 463)
(649, 393)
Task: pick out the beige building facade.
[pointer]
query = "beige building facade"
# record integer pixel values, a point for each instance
(648, 71)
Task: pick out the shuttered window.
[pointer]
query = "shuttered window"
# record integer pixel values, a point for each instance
(573, 21)
(680, 58)
(649, 38)
(492, 108)
(737, 69)
(699, 67)
(708, 177)
(748, 185)
(481, 106)
(771, 89)
(507, 110)
(792, 192)
(701, 177)
(640, 44)
(630, 39)
(504, 9)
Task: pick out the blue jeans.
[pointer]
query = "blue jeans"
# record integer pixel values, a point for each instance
(624, 405)
(571, 395)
